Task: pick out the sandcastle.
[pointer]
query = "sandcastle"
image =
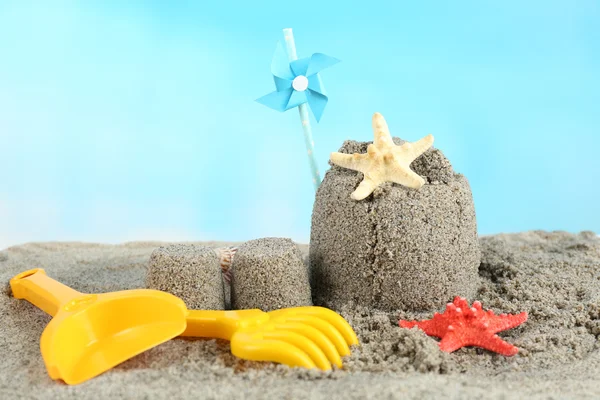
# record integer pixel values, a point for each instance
(399, 248)
(399, 234)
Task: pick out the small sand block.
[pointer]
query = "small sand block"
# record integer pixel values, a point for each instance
(269, 274)
(190, 272)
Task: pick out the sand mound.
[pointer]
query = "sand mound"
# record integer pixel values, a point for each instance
(553, 276)
(412, 249)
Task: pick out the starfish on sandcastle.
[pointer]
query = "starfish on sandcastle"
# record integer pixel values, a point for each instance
(384, 161)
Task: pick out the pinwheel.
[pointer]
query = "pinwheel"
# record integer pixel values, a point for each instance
(298, 84)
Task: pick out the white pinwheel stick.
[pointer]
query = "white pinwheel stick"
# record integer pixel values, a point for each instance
(303, 110)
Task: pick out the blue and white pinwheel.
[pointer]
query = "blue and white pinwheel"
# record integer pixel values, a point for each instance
(298, 82)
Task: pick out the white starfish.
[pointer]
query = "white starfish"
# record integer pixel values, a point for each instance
(384, 161)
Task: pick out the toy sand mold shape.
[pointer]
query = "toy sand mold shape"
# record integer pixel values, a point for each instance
(393, 227)
(91, 333)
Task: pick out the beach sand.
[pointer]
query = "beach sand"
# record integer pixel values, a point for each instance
(555, 277)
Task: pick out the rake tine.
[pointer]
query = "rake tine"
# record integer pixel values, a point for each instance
(316, 336)
(270, 350)
(334, 319)
(310, 348)
(326, 328)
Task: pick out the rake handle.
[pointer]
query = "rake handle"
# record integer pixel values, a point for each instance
(42, 291)
(221, 324)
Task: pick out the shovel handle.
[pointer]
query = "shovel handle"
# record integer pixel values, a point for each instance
(42, 291)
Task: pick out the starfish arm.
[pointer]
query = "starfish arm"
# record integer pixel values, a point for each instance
(451, 342)
(508, 321)
(407, 324)
(430, 327)
(406, 177)
(495, 344)
(366, 187)
(356, 162)
(415, 149)
(381, 132)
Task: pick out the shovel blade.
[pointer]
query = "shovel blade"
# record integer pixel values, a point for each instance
(97, 332)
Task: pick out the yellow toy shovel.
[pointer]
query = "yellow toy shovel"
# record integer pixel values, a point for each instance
(91, 333)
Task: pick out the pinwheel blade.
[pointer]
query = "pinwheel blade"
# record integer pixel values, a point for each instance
(296, 99)
(282, 84)
(315, 84)
(299, 67)
(317, 102)
(277, 100)
(319, 62)
(280, 65)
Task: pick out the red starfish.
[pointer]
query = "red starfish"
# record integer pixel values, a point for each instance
(461, 325)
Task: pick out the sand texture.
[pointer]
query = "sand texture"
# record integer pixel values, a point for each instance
(269, 273)
(401, 242)
(190, 272)
(553, 276)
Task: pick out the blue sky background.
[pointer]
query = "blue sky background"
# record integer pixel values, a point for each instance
(136, 120)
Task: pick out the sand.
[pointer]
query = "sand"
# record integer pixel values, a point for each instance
(553, 276)
(190, 272)
(269, 274)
